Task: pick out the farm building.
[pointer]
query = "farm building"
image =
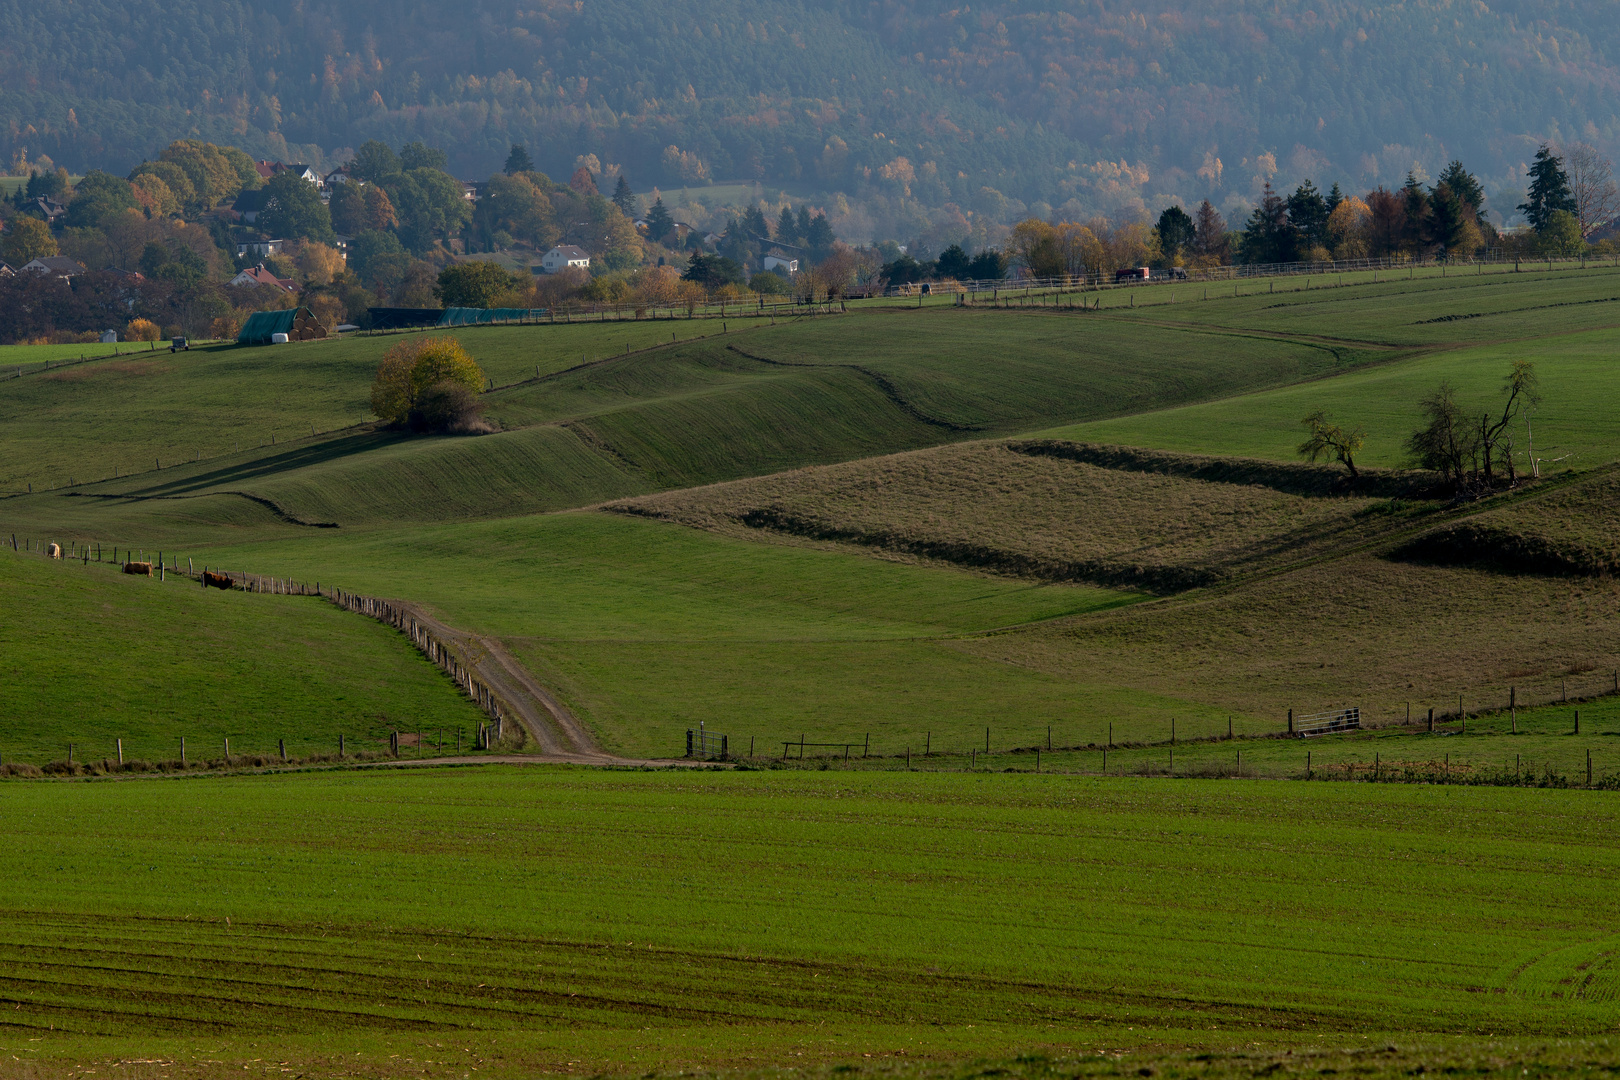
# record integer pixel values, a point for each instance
(258, 275)
(299, 324)
(55, 265)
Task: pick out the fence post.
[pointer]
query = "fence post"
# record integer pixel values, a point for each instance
(725, 751)
(121, 751)
(1290, 721)
(182, 751)
(340, 746)
(688, 742)
(1577, 721)
(282, 744)
(866, 751)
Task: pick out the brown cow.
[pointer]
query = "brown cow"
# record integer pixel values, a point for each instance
(53, 551)
(217, 580)
(144, 569)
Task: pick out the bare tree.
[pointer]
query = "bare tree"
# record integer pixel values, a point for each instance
(1447, 442)
(1495, 437)
(1327, 439)
(1591, 179)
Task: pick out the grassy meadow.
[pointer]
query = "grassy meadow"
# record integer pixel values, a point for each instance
(92, 655)
(835, 529)
(521, 921)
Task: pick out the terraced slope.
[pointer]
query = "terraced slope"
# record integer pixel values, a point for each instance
(1057, 511)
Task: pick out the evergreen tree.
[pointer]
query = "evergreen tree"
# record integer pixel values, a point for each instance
(819, 237)
(1335, 197)
(1465, 186)
(518, 161)
(1176, 232)
(1308, 214)
(1415, 201)
(659, 223)
(786, 228)
(1448, 218)
(755, 225)
(954, 263)
(988, 265)
(1268, 237)
(804, 224)
(624, 198)
(1549, 190)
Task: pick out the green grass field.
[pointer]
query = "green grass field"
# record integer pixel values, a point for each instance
(92, 656)
(1573, 427)
(523, 921)
(955, 915)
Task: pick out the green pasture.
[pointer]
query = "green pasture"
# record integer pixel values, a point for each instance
(724, 407)
(91, 655)
(647, 629)
(539, 919)
(140, 410)
(1574, 426)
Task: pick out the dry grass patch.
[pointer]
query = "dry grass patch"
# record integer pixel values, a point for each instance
(1360, 631)
(1057, 512)
(1573, 529)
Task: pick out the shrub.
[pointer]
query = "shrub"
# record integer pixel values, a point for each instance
(141, 330)
(431, 384)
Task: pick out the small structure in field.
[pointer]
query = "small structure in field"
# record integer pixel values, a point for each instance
(299, 324)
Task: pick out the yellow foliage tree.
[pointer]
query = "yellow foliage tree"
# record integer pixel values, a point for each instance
(319, 263)
(411, 369)
(141, 330)
(27, 238)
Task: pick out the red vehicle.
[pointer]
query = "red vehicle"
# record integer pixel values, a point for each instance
(1134, 273)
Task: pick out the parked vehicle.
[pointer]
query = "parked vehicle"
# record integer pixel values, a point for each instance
(179, 344)
(1132, 273)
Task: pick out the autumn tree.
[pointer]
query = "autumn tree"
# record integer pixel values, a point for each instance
(430, 384)
(26, 239)
(1592, 186)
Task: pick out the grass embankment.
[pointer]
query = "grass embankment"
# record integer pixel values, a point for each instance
(739, 405)
(130, 413)
(92, 655)
(1574, 427)
(522, 921)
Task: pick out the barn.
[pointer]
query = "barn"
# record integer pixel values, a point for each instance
(299, 324)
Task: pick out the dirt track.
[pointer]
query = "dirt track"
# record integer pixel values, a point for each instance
(557, 731)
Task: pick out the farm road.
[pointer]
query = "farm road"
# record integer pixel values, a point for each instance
(558, 732)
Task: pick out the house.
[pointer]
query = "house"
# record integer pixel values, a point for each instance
(565, 255)
(267, 169)
(340, 244)
(128, 277)
(109, 337)
(55, 265)
(339, 175)
(309, 174)
(248, 204)
(6, 270)
(259, 249)
(471, 190)
(45, 208)
(778, 261)
(258, 275)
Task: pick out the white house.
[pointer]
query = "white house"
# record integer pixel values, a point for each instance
(777, 260)
(258, 249)
(565, 255)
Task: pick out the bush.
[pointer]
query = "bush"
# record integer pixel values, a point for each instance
(770, 283)
(431, 384)
(141, 330)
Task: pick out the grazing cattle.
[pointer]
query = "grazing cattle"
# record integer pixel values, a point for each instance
(53, 551)
(218, 581)
(142, 568)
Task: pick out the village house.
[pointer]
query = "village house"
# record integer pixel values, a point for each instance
(55, 265)
(778, 261)
(563, 256)
(259, 249)
(258, 275)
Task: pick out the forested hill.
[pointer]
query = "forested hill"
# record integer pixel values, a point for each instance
(1095, 100)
